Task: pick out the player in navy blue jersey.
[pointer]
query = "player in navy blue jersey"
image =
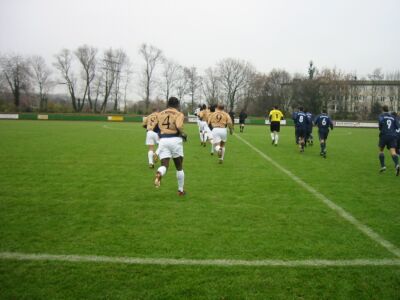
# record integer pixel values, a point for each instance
(301, 123)
(388, 138)
(394, 114)
(324, 123)
(309, 136)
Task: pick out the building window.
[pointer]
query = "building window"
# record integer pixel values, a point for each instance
(383, 99)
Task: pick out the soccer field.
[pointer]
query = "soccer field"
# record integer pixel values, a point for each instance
(80, 217)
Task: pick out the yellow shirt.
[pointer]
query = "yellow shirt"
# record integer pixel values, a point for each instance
(275, 115)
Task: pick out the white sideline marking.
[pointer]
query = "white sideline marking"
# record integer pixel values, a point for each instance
(199, 262)
(339, 210)
(112, 128)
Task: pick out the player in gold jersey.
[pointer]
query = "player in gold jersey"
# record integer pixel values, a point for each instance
(170, 122)
(205, 132)
(151, 137)
(275, 117)
(219, 121)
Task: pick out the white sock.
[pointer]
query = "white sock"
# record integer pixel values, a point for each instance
(201, 136)
(212, 147)
(180, 175)
(162, 170)
(223, 153)
(272, 136)
(150, 156)
(276, 138)
(217, 147)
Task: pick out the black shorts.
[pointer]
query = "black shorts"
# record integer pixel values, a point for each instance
(301, 132)
(323, 134)
(241, 122)
(388, 141)
(275, 126)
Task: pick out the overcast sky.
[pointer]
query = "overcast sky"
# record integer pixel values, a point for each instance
(352, 35)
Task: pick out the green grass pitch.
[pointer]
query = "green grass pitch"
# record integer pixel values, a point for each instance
(84, 188)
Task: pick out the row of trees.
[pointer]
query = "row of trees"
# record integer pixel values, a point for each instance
(101, 81)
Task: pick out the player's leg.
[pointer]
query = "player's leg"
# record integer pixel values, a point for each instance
(161, 171)
(277, 130)
(180, 174)
(395, 157)
(150, 157)
(272, 132)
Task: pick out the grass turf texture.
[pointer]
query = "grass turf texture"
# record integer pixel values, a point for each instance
(85, 188)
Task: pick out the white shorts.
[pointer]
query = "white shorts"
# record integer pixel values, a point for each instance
(171, 147)
(152, 138)
(204, 127)
(219, 134)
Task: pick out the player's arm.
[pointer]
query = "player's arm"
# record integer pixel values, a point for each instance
(179, 126)
(282, 116)
(144, 122)
(330, 124)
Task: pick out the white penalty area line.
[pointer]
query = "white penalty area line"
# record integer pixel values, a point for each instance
(339, 210)
(198, 262)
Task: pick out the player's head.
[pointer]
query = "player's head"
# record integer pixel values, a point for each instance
(301, 108)
(324, 111)
(394, 114)
(212, 107)
(385, 108)
(275, 106)
(203, 107)
(173, 102)
(220, 106)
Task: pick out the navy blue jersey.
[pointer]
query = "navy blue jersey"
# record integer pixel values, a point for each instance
(310, 119)
(301, 120)
(323, 122)
(387, 125)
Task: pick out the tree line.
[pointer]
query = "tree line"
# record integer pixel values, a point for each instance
(99, 82)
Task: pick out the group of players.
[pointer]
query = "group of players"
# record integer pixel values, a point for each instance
(165, 128)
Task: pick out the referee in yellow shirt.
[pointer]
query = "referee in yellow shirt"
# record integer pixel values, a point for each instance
(275, 117)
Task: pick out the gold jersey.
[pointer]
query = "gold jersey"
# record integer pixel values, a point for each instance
(220, 119)
(204, 114)
(275, 115)
(170, 121)
(150, 121)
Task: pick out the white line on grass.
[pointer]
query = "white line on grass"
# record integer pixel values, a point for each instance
(112, 128)
(199, 262)
(339, 210)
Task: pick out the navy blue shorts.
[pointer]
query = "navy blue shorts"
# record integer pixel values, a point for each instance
(323, 134)
(301, 132)
(387, 141)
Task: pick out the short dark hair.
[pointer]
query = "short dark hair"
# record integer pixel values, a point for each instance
(301, 108)
(212, 108)
(204, 106)
(276, 106)
(221, 106)
(385, 108)
(324, 111)
(173, 102)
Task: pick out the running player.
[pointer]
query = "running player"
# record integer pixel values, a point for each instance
(275, 117)
(309, 137)
(388, 138)
(301, 123)
(170, 122)
(219, 120)
(394, 114)
(294, 116)
(151, 136)
(212, 109)
(324, 123)
(242, 119)
(205, 132)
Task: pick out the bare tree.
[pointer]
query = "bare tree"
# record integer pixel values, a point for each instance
(211, 86)
(127, 74)
(193, 83)
(234, 75)
(170, 77)
(152, 57)
(87, 57)
(15, 70)
(121, 63)
(181, 84)
(109, 70)
(64, 65)
(41, 74)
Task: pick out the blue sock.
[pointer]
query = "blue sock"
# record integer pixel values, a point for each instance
(395, 159)
(382, 159)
